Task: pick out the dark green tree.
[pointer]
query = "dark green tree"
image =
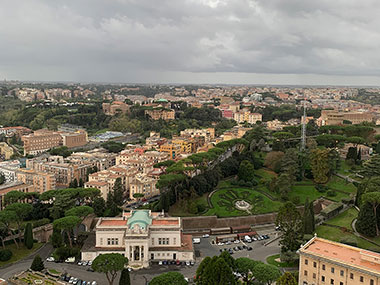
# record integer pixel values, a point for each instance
(56, 238)
(308, 218)
(28, 236)
(287, 279)
(246, 171)
(169, 278)
(81, 183)
(22, 210)
(366, 222)
(217, 272)
(109, 264)
(228, 259)
(266, 273)
(371, 167)
(67, 224)
(125, 279)
(99, 205)
(37, 264)
(118, 192)
(290, 222)
(245, 266)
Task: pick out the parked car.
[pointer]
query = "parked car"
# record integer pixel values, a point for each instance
(50, 259)
(188, 263)
(206, 236)
(84, 263)
(90, 269)
(89, 263)
(70, 260)
(94, 283)
(79, 263)
(178, 262)
(192, 263)
(249, 248)
(237, 241)
(160, 262)
(240, 247)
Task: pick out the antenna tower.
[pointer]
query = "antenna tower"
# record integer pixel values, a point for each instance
(303, 121)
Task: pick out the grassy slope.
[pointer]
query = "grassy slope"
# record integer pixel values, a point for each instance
(19, 253)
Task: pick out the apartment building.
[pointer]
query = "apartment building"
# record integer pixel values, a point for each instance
(172, 149)
(100, 159)
(332, 117)
(163, 114)
(6, 151)
(208, 134)
(142, 236)
(17, 131)
(43, 140)
(106, 176)
(115, 107)
(13, 186)
(332, 263)
(244, 116)
(143, 184)
(9, 170)
(40, 181)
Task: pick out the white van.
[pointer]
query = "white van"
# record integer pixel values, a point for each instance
(196, 240)
(247, 239)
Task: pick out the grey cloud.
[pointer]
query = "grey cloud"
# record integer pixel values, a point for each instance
(141, 40)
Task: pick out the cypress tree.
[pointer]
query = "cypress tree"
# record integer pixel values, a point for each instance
(37, 264)
(308, 218)
(28, 236)
(366, 222)
(124, 277)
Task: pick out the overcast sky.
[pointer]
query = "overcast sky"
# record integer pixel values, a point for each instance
(191, 41)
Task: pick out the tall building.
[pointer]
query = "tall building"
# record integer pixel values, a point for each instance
(6, 151)
(142, 236)
(40, 181)
(327, 262)
(163, 114)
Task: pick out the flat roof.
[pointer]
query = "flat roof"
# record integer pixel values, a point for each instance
(113, 222)
(344, 254)
(165, 222)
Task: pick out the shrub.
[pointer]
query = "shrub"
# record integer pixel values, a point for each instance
(295, 200)
(331, 193)
(5, 255)
(37, 264)
(321, 188)
(41, 222)
(289, 257)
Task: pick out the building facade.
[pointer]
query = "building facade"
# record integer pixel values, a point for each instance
(163, 114)
(332, 263)
(142, 236)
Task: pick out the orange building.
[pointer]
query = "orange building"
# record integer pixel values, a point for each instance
(115, 107)
(15, 186)
(332, 263)
(40, 181)
(163, 114)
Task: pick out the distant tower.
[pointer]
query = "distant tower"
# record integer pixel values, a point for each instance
(303, 121)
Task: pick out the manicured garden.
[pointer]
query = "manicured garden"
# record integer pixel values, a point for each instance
(274, 260)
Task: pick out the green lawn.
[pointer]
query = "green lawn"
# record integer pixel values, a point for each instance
(265, 174)
(223, 202)
(336, 234)
(179, 209)
(309, 191)
(20, 253)
(272, 260)
(344, 219)
(340, 184)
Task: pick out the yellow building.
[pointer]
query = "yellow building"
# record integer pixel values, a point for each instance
(41, 181)
(5, 151)
(332, 263)
(185, 145)
(172, 149)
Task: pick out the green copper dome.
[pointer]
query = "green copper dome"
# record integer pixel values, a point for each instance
(140, 217)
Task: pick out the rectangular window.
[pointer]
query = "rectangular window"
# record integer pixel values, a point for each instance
(323, 278)
(332, 281)
(101, 241)
(361, 279)
(159, 241)
(305, 273)
(315, 264)
(341, 273)
(352, 275)
(314, 275)
(323, 267)
(306, 261)
(332, 269)
(340, 283)
(152, 241)
(174, 240)
(371, 282)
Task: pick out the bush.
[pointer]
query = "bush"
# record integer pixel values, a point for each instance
(37, 264)
(331, 193)
(201, 208)
(289, 257)
(5, 254)
(347, 200)
(349, 240)
(295, 200)
(321, 188)
(41, 222)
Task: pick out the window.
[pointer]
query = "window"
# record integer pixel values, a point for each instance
(305, 273)
(152, 241)
(371, 282)
(340, 283)
(314, 275)
(314, 264)
(306, 262)
(159, 240)
(174, 240)
(341, 273)
(323, 278)
(332, 281)
(332, 269)
(352, 275)
(323, 267)
(101, 241)
(112, 241)
(361, 279)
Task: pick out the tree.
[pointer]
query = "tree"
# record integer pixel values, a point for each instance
(118, 192)
(13, 197)
(169, 278)
(228, 259)
(290, 222)
(217, 271)
(373, 198)
(287, 279)
(265, 273)
(80, 211)
(273, 160)
(352, 154)
(63, 201)
(308, 217)
(366, 222)
(371, 167)
(319, 159)
(125, 279)
(22, 210)
(56, 238)
(290, 164)
(6, 218)
(28, 236)
(246, 171)
(67, 224)
(201, 269)
(245, 267)
(37, 264)
(2, 178)
(99, 205)
(73, 183)
(109, 264)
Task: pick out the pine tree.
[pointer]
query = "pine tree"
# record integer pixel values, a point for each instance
(124, 277)
(287, 279)
(28, 236)
(366, 222)
(308, 218)
(37, 264)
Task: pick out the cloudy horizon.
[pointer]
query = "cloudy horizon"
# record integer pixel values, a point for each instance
(285, 42)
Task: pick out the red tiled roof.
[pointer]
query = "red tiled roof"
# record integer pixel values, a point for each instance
(164, 222)
(113, 223)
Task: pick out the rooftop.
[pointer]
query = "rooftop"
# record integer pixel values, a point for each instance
(115, 222)
(165, 222)
(141, 218)
(342, 253)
